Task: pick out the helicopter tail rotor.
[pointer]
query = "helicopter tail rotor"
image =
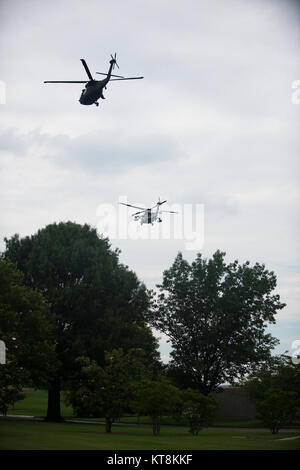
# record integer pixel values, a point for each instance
(114, 60)
(159, 202)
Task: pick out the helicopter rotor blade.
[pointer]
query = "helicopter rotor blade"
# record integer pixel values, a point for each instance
(65, 81)
(136, 207)
(101, 73)
(140, 212)
(170, 212)
(87, 69)
(125, 78)
(159, 203)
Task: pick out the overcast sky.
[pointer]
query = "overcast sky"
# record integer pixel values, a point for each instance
(213, 128)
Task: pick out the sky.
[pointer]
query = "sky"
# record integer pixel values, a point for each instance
(213, 128)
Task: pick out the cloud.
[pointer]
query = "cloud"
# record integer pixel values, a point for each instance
(102, 150)
(211, 123)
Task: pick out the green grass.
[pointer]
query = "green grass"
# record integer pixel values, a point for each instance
(23, 434)
(35, 404)
(229, 422)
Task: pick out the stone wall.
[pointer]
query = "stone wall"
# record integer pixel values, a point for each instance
(234, 403)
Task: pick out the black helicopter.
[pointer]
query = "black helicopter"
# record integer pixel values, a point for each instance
(94, 88)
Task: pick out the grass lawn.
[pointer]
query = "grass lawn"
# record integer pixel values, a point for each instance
(35, 404)
(24, 434)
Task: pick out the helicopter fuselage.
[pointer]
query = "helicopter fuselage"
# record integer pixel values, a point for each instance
(148, 217)
(93, 91)
(94, 88)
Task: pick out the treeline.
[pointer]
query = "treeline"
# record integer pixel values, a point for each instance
(74, 318)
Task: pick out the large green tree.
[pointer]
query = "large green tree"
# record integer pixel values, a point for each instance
(215, 315)
(98, 303)
(26, 327)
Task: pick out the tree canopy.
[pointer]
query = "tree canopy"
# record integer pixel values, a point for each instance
(215, 315)
(98, 303)
(278, 373)
(156, 398)
(199, 409)
(277, 409)
(26, 326)
(106, 391)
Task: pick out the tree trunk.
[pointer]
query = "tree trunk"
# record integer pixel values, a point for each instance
(53, 411)
(108, 424)
(156, 425)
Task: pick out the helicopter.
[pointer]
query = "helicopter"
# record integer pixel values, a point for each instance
(94, 88)
(149, 215)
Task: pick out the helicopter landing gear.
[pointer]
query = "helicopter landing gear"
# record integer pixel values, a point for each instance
(96, 103)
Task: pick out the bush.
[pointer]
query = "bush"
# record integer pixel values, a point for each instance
(199, 409)
(277, 408)
(156, 398)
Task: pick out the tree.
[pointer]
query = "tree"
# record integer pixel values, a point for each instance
(156, 398)
(279, 372)
(199, 409)
(26, 327)
(277, 408)
(215, 315)
(98, 303)
(106, 391)
(12, 380)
